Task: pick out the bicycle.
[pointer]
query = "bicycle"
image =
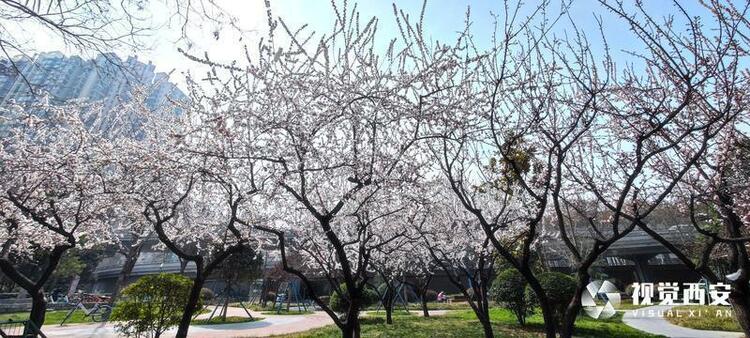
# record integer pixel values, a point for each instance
(99, 312)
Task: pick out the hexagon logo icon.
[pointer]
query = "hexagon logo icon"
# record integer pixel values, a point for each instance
(607, 295)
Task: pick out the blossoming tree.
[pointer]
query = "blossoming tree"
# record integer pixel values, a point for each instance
(54, 195)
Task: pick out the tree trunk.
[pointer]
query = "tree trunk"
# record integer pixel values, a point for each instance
(264, 294)
(388, 305)
(190, 306)
(352, 328)
(487, 326)
(35, 289)
(183, 266)
(425, 311)
(122, 278)
(389, 314)
(739, 297)
(74, 284)
(227, 290)
(38, 308)
(550, 324)
(423, 294)
(741, 306)
(571, 312)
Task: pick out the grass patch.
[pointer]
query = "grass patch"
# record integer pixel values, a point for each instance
(284, 312)
(396, 313)
(230, 320)
(465, 324)
(629, 306)
(254, 307)
(55, 317)
(704, 317)
(52, 317)
(410, 306)
(441, 306)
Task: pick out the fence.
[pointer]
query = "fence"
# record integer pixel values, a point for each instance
(20, 329)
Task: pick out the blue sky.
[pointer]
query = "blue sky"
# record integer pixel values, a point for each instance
(442, 20)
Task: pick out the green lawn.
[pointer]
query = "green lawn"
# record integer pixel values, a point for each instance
(52, 317)
(230, 320)
(411, 306)
(55, 317)
(439, 306)
(629, 306)
(254, 307)
(464, 324)
(704, 317)
(396, 313)
(285, 312)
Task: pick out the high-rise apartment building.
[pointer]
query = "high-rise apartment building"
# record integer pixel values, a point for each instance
(107, 79)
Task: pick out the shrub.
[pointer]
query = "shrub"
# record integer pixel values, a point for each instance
(430, 295)
(341, 304)
(152, 304)
(559, 287)
(508, 290)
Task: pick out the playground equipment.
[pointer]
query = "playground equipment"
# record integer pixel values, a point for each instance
(224, 298)
(289, 292)
(257, 291)
(99, 312)
(399, 297)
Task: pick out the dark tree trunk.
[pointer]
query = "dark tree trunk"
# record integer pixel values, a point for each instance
(351, 328)
(571, 312)
(739, 296)
(38, 308)
(122, 278)
(425, 311)
(423, 296)
(550, 323)
(487, 328)
(190, 306)
(484, 315)
(740, 300)
(227, 290)
(183, 265)
(388, 305)
(35, 290)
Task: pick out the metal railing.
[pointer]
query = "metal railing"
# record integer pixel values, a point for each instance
(20, 329)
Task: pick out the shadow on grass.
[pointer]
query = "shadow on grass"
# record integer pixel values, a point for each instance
(464, 324)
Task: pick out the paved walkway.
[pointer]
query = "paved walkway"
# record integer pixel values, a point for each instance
(649, 319)
(270, 325)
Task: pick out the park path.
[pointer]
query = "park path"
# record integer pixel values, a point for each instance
(270, 325)
(645, 320)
